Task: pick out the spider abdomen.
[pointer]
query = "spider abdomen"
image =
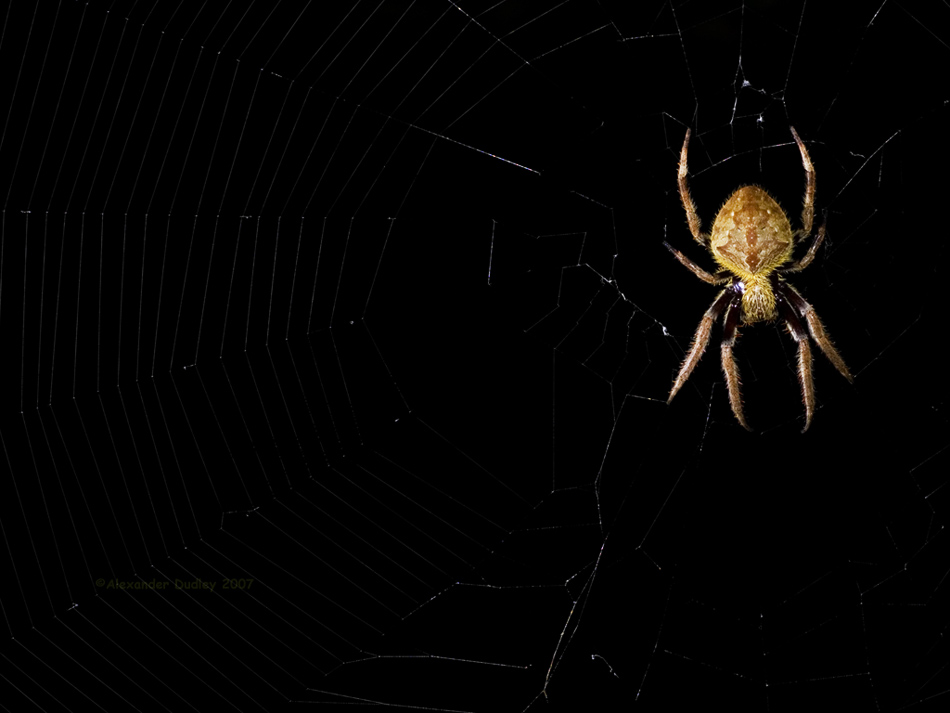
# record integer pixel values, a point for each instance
(751, 234)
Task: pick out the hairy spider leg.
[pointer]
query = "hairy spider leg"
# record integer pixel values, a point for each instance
(808, 206)
(815, 327)
(799, 333)
(729, 367)
(695, 225)
(701, 338)
(807, 258)
(696, 269)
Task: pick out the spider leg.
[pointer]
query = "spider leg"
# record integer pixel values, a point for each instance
(816, 328)
(695, 225)
(800, 265)
(800, 335)
(729, 367)
(696, 269)
(701, 339)
(808, 207)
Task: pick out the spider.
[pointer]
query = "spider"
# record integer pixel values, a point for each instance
(752, 242)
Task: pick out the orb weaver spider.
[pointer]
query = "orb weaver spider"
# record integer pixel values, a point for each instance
(752, 243)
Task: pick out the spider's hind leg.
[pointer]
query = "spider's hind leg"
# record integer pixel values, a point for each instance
(808, 205)
(696, 269)
(695, 225)
(807, 258)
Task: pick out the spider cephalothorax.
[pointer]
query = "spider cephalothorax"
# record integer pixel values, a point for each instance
(752, 242)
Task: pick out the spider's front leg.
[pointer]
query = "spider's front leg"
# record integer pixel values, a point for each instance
(729, 367)
(800, 334)
(816, 328)
(701, 339)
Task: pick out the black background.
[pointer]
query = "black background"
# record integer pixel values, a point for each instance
(368, 303)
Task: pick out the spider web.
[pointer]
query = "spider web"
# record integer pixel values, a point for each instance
(339, 339)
